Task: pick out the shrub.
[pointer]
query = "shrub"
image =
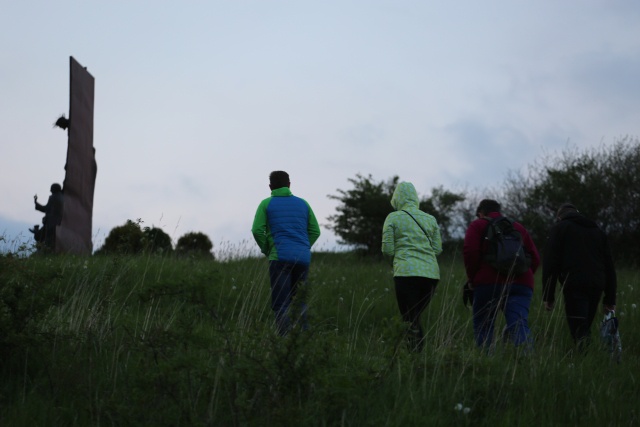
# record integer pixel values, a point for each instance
(156, 241)
(124, 239)
(195, 244)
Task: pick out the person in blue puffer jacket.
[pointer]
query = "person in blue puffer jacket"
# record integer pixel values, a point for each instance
(412, 238)
(285, 228)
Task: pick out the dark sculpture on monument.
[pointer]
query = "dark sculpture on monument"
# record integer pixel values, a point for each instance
(72, 232)
(46, 236)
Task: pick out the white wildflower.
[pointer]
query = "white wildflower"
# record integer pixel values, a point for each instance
(458, 407)
(466, 410)
(633, 306)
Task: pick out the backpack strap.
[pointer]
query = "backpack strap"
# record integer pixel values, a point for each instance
(482, 237)
(491, 223)
(423, 230)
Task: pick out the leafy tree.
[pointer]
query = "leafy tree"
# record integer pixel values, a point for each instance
(445, 206)
(124, 239)
(362, 211)
(623, 202)
(156, 240)
(195, 244)
(603, 183)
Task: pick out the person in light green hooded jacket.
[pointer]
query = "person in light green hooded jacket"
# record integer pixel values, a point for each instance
(412, 238)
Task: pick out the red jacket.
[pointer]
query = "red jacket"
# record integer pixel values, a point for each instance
(481, 273)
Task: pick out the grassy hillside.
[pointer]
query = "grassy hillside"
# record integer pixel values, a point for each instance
(139, 341)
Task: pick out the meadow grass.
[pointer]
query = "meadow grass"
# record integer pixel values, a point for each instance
(148, 340)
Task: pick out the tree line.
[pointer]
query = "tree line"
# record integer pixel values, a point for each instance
(132, 238)
(603, 182)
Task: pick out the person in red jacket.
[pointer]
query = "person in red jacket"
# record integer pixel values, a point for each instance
(493, 291)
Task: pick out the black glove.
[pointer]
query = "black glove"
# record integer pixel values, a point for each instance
(467, 294)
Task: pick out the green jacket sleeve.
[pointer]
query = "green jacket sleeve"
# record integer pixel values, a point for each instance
(437, 240)
(388, 238)
(313, 229)
(259, 227)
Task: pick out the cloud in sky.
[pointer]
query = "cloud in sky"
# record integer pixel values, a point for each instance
(197, 102)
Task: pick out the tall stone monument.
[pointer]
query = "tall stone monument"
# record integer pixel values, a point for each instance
(74, 233)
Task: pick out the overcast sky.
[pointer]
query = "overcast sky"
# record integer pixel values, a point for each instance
(196, 102)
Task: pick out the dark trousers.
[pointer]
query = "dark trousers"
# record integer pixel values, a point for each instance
(413, 295)
(285, 279)
(580, 307)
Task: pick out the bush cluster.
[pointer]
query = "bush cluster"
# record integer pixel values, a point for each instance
(131, 238)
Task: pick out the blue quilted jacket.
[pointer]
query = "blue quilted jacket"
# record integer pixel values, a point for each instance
(285, 227)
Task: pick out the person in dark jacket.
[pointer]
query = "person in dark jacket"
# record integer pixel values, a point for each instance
(52, 214)
(493, 291)
(577, 254)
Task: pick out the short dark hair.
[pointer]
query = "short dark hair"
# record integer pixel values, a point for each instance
(488, 205)
(279, 179)
(56, 188)
(566, 209)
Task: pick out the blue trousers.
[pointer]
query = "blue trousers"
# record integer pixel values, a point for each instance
(514, 301)
(285, 279)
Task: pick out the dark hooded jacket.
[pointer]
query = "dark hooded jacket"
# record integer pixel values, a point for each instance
(577, 255)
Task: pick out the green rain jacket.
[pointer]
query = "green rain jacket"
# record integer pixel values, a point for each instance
(414, 254)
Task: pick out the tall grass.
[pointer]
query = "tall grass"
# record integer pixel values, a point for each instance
(185, 342)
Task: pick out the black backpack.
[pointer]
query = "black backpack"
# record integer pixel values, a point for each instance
(505, 250)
